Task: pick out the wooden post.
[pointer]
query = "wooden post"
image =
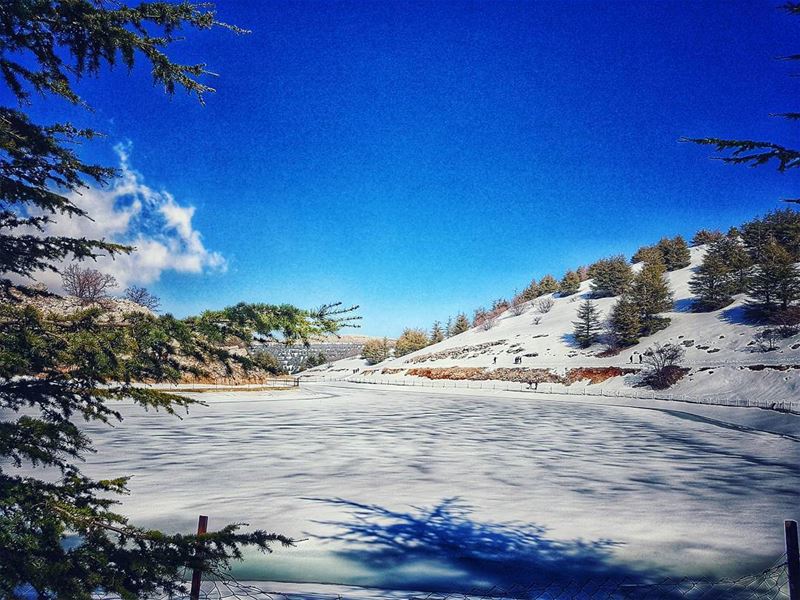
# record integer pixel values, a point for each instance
(792, 559)
(197, 574)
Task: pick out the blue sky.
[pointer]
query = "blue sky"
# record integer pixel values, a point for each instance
(423, 158)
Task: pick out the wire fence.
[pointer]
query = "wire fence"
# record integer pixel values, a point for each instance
(769, 584)
(782, 405)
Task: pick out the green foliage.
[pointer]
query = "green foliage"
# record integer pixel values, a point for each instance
(647, 254)
(781, 226)
(409, 341)
(651, 294)
(313, 360)
(672, 252)
(376, 351)
(732, 252)
(547, 285)
(775, 282)
(624, 322)
(437, 333)
(713, 283)
(531, 292)
(460, 325)
(706, 236)
(610, 276)
(587, 327)
(757, 153)
(65, 367)
(570, 284)
(59, 370)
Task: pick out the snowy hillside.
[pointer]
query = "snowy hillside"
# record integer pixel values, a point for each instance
(719, 348)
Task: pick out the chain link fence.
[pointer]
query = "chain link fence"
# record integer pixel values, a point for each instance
(769, 584)
(786, 405)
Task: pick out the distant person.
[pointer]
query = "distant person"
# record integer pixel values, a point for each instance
(494, 361)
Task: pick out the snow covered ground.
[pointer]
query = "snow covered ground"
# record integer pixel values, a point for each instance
(719, 347)
(447, 490)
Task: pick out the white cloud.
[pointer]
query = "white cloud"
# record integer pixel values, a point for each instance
(131, 212)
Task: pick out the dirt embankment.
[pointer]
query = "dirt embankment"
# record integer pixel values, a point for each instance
(525, 375)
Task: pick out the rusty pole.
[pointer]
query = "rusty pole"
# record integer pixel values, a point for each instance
(197, 574)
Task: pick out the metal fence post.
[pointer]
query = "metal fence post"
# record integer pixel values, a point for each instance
(197, 574)
(792, 559)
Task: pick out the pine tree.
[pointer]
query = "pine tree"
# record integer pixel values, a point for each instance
(409, 341)
(548, 285)
(64, 369)
(610, 276)
(674, 253)
(461, 324)
(705, 236)
(587, 327)
(375, 351)
(713, 283)
(732, 252)
(448, 328)
(775, 282)
(437, 334)
(531, 292)
(648, 254)
(570, 284)
(753, 152)
(651, 294)
(624, 322)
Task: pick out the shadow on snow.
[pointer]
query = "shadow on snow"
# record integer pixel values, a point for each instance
(443, 549)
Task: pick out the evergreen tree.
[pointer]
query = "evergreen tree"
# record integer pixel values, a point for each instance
(756, 153)
(437, 334)
(775, 282)
(647, 254)
(461, 324)
(375, 351)
(587, 327)
(610, 276)
(448, 328)
(624, 322)
(674, 252)
(713, 283)
(531, 292)
(705, 236)
(59, 532)
(547, 285)
(651, 294)
(732, 252)
(583, 273)
(409, 341)
(570, 284)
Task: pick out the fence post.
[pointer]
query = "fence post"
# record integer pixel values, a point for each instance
(792, 559)
(197, 574)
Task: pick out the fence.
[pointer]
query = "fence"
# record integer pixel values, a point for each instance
(780, 581)
(229, 382)
(789, 406)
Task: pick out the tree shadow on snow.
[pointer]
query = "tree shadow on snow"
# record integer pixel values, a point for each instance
(443, 549)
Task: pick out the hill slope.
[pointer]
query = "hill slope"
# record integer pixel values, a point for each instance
(719, 346)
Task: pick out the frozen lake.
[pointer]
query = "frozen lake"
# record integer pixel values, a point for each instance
(419, 489)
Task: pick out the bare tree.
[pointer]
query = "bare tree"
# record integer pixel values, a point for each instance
(544, 305)
(662, 364)
(488, 322)
(517, 306)
(767, 340)
(89, 285)
(143, 297)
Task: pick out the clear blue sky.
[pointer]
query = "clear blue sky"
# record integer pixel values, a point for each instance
(421, 158)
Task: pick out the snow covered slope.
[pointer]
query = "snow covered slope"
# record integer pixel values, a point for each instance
(719, 347)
